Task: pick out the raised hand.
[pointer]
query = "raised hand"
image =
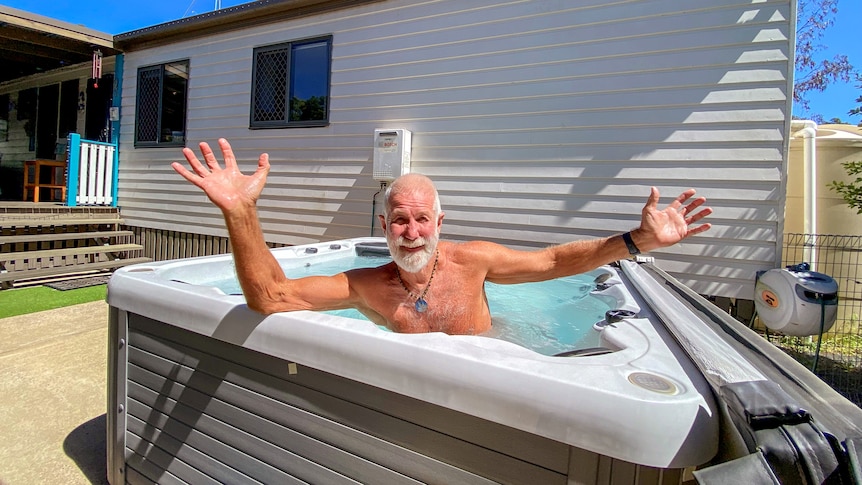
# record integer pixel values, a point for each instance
(226, 187)
(664, 227)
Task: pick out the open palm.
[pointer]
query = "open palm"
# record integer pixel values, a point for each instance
(673, 223)
(226, 187)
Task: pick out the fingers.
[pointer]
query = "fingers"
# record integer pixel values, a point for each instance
(210, 157)
(700, 215)
(185, 173)
(678, 204)
(679, 201)
(194, 162)
(688, 209)
(227, 153)
(699, 229)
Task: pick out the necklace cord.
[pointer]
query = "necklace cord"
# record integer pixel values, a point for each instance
(427, 287)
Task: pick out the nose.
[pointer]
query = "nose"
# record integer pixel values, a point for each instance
(412, 230)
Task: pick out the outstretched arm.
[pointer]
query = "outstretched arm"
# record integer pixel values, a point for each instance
(263, 282)
(658, 228)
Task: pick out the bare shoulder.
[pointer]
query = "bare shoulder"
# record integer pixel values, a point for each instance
(364, 283)
(378, 273)
(474, 252)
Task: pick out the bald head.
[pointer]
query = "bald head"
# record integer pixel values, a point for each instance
(414, 184)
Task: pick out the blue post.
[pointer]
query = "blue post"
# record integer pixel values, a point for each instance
(73, 153)
(115, 124)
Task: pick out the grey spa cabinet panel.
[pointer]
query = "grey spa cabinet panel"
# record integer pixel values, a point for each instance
(193, 409)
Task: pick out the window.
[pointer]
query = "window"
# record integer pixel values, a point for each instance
(160, 118)
(290, 84)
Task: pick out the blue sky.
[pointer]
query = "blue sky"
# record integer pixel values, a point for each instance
(118, 16)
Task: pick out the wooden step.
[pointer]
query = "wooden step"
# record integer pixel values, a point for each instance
(54, 253)
(7, 277)
(63, 236)
(71, 221)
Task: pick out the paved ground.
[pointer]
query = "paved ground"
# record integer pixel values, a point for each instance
(52, 396)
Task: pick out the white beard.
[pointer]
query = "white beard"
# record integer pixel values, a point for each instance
(413, 262)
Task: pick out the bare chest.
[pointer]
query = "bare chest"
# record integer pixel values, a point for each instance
(453, 304)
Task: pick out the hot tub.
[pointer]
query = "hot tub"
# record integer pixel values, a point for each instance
(202, 389)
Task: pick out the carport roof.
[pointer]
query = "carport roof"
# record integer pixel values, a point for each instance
(30, 43)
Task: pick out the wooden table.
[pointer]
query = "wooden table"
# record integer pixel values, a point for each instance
(57, 180)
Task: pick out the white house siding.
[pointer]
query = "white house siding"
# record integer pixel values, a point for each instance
(540, 121)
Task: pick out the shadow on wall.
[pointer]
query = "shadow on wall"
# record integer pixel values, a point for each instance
(85, 445)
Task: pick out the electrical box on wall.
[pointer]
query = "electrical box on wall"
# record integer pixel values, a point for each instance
(391, 154)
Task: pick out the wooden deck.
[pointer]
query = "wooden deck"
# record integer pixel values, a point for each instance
(49, 240)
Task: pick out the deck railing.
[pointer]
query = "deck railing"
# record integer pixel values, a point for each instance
(92, 176)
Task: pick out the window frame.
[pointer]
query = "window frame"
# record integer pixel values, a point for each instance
(286, 123)
(161, 68)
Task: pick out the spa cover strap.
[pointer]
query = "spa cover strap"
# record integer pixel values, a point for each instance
(784, 441)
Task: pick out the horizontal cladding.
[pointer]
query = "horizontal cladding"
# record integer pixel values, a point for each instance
(572, 59)
(596, 19)
(192, 401)
(594, 92)
(565, 104)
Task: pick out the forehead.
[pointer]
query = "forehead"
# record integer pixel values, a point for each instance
(412, 201)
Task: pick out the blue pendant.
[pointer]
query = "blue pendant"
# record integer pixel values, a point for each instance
(421, 305)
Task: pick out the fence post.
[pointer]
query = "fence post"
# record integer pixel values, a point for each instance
(73, 154)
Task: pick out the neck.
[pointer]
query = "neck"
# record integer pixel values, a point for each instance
(420, 278)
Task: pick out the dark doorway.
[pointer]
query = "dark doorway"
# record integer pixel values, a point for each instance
(99, 96)
(46, 121)
(68, 108)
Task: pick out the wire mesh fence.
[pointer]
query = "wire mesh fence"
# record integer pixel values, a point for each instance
(835, 356)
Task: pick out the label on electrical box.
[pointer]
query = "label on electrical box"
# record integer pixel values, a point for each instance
(387, 143)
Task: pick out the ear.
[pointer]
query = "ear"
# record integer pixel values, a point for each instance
(382, 219)
(440, 221)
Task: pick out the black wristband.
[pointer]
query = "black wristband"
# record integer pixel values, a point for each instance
(633, 249)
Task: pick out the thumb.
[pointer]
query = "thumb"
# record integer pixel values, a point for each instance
(263, 163)
(652, 201)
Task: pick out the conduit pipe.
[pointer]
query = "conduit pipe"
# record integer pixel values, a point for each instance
(808, 131)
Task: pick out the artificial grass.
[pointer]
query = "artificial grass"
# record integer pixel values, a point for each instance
(20, 301)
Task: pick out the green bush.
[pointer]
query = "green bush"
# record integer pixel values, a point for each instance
(852, 192)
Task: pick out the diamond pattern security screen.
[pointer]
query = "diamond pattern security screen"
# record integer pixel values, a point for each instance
(290, 85)
(160, 117)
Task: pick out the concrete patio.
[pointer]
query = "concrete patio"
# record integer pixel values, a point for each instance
(52, 396)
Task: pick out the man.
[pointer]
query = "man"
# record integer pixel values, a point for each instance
(431, 285)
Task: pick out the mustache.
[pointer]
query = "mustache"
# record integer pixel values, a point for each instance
(411, 244)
